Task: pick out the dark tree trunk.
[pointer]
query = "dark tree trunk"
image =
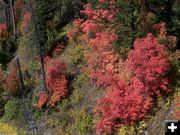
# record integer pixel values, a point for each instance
(39, 46)
(13, 18)
(7, 12)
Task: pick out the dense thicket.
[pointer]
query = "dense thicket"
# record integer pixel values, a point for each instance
(89, 66)
(141, 75)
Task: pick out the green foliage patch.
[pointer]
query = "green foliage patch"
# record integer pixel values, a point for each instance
(74, 55)
(11, 109)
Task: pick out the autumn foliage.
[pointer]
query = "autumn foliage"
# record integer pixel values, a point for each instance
(43, 99)
(3, 31)
(150, 63)
(131, 85)
(56, 82)
(94, 32)
(126, 102)
(12, 83)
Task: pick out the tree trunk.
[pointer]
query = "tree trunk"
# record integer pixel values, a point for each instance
(20, 74)
(7, 13)
(39, 46)
(13, 18)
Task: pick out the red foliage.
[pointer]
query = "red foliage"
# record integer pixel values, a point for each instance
(101, 12)
(93, 32)
(75, 32)
(122, 104)
(95, 19)
(3, 27)
(131, 84)
(101, 58)
(149, 62)
(59, 90)
(3, 30)
(56, 80)
(43, 99)
(12, 83)
(126, 102)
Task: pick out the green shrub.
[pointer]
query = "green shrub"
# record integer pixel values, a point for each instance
(63, 105)
(83, 123)
(82, 120)
(80, 80)
(38, 113)
(11, 109)
(76, 97)
(74, 56)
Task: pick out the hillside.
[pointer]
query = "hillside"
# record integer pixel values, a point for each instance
(87, 67)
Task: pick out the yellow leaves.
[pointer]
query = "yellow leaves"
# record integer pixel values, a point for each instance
(127, 130)
(83, 120)
(131, 129)
(10, 130)
(142, 125)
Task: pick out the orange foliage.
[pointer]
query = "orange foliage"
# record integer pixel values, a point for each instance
(59, 90)
(43, 99)
(56, 80)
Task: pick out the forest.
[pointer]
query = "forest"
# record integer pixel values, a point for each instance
(89, 67)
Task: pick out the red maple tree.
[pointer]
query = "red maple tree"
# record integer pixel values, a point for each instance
(56, 79)
(3, 31)
(131, 84)
(56, 82)
(126, 102)
(12, 83)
